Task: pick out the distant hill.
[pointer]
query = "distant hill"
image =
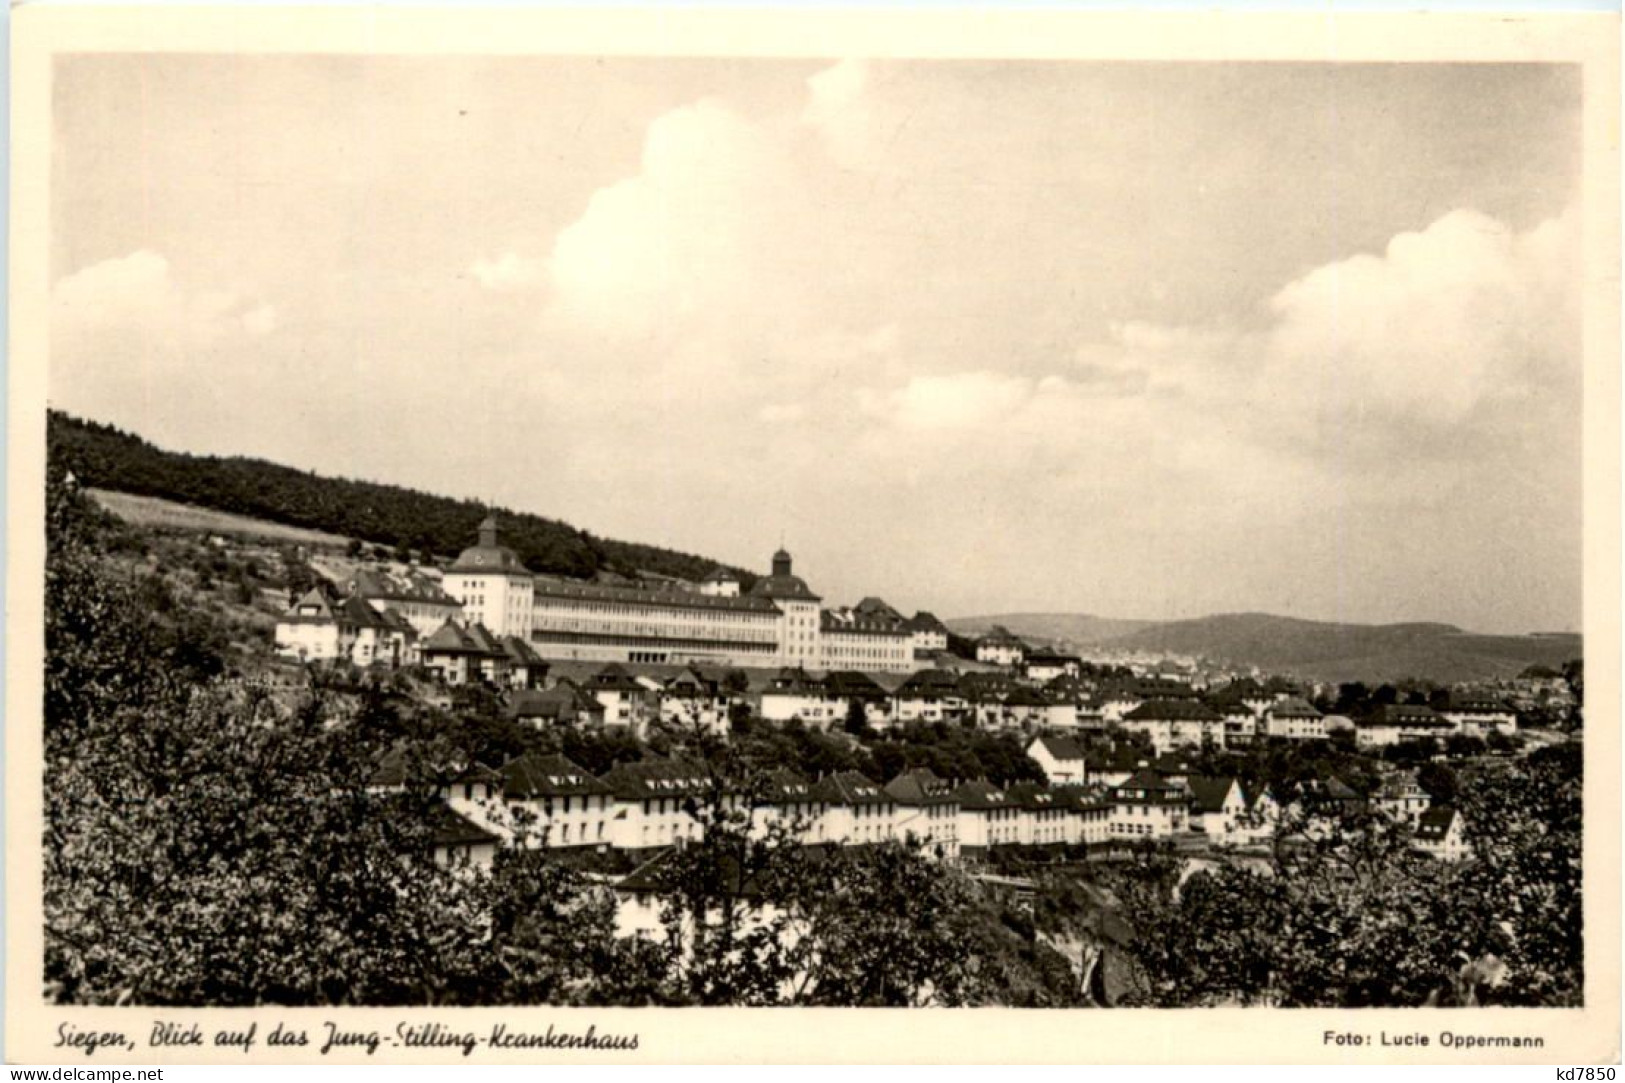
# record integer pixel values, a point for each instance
(1318, 650)
(1346, 652)
(1077, 628)
(103, 457)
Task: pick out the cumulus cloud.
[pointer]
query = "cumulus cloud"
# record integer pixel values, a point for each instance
(509, 272)
(129, 334)
(139, 295)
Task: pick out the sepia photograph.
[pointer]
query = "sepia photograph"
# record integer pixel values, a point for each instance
(581, 529)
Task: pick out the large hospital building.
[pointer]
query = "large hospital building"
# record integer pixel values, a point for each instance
(778, 622)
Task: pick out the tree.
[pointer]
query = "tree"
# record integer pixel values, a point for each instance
(210, 846)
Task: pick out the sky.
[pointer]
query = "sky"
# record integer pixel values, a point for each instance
(1132, 339)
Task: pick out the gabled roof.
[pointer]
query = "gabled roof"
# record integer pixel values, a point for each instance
(658, 778)
(1476, 701)
(312, 598)
(787, 787)
(794, 681)
(1030, 795)
(877, 607)
(564, 702)
(399, 624)
(614, 678)
(852, 788)
(1408, 715)
(1025, 697)
(1157, 790)
(406, 763)
(1435, 823)
(980, 795)
(719, 574)
(1208, 792)
(920, 787)
(377, 585)
(925, 622)
(1292, 707)
(448, 827)
(1060, 748)
(521, 653)
(453, 638)
(930, 683)
(535, 775)
(850, 683)
(1172, 710)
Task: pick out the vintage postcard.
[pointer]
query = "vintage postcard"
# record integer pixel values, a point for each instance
(579, 536)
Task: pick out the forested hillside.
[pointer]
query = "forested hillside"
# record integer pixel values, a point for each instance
(102, 456)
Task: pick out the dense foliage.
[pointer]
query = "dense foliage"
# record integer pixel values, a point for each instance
(1344, 912)
(209, 844)
(102, 456)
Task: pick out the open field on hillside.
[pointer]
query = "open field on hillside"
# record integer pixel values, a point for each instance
(167, 514)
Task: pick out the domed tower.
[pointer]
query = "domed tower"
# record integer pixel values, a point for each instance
(493, 584)
(799, 625)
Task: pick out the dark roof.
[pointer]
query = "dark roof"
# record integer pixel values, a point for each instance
(1409, 715)
(851, 788)
(448, 827)
(786, 587)
(377, 585)
(1208, 792)
(1435, 823)
(1041, 656)
(661, 596)
(852, 622)
(537, 775)
(405, 763)
(658, 778)
(1030, 795)
(785, 786)
(719, 574)
(1000, 636)
(930, 682)
(399, 624)
(452, 638)
(1025, 697)
(564, 702)
(1062, 748)
(520, 652)
(1157, 789)
(921, 786)
(851, 682)
(313, 598)
(488, 560)
(877, 607)
(1172, 710)
(1477, 702)
(359, 612)
(980, 795)
(925, 622)
(1293, 707)
(614, 678)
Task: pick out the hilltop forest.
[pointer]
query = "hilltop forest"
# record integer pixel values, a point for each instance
(102, 456)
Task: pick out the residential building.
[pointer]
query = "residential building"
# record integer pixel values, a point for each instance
(929, 635)
(1440, 832)
(416, 597)
(1294, 719)
(1480, 713)
(927, 810)
(857, 810)
(557, 802)
(1173, 723)
(658, 803)
(1394, 723)
(987, 818)
(1218, 809)
(1061, 759)
(1401, 798)
(1001, 648)
(1147, 806)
